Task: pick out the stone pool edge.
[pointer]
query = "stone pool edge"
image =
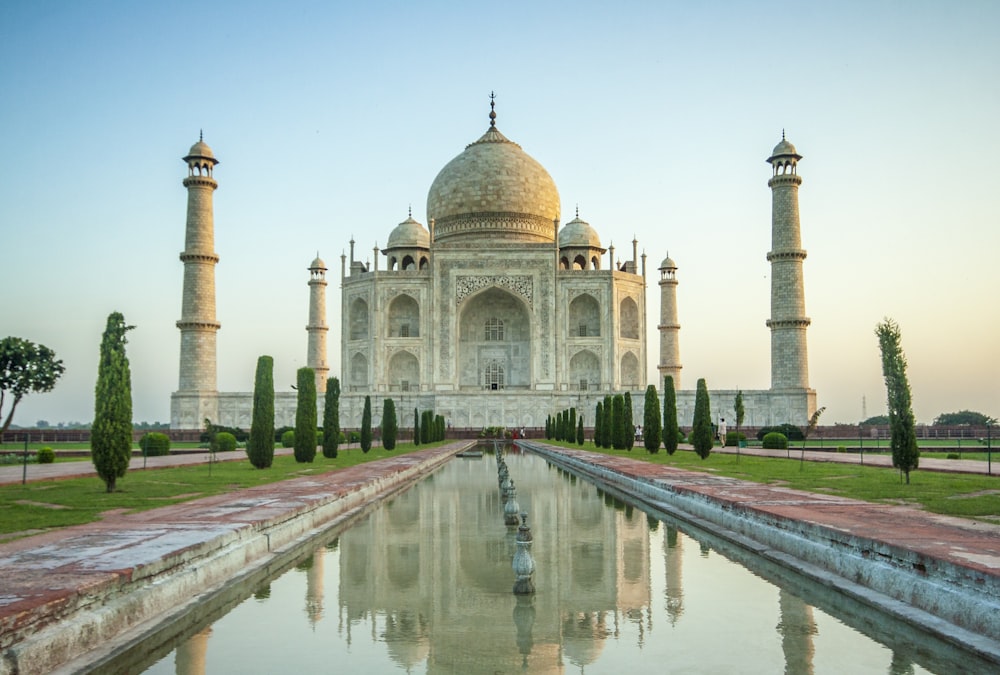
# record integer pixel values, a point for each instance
(76, 628)
(957, 603)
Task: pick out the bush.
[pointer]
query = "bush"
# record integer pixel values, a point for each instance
(733, 438)
(775, 441)
(951, 455)
(239, 434)
(46, 455)
(155, 444)
(279, 434)
(224, 442)
(789, 431)
(841, 448)
(288, 438)
(354, 437)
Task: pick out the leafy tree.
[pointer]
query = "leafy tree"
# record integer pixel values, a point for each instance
(618, 422)
(389, 425)
(305, 416)
(366, 426)
(260, 444)
(331, 418)
(25, 368)
(651, 429)
(111, 433)
(905, 453)
(975, 419)
(670, 430)
(701, 425)
(629, 422)
(579, 430)
(598, 424)
(416, 427)
(876, 420)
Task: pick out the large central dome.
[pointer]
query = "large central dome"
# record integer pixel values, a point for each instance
(493, 191)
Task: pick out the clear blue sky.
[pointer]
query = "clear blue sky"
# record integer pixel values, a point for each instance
(330, 119)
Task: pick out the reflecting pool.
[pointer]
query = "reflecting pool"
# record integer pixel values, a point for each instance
(423, 583)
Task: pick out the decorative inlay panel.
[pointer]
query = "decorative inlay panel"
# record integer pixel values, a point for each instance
(518, 283)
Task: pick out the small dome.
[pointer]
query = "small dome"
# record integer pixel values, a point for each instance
(200, 149)
(317, 264)
(784, 149)
(668, 264)
(409, 234)
(578, 234)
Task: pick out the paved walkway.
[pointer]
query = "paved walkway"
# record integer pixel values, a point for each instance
(15, 473)
(883, 459)
(11, 474)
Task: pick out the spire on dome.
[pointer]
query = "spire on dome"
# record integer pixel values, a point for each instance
(493, 114)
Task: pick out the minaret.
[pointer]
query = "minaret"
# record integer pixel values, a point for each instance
(197, 395)
(788, 322)
(670, 348)
(317, 328)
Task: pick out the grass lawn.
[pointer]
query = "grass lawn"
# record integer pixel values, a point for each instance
(27, 509)
(963, 495)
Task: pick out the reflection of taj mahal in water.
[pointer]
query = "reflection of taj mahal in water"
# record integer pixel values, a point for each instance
(429, 575)
(493, 314)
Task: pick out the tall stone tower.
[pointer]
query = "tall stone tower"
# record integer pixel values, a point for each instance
(670, 349)
(788, 322)
(317, 328)
(197, 396)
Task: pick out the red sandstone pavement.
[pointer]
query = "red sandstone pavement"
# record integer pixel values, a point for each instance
(47, 574)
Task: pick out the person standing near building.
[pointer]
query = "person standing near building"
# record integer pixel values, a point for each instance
(722, 431)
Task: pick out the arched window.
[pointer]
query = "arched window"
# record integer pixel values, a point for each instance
(493, 376)
(494, 330)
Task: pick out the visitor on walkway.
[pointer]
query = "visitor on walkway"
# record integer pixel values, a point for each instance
(722, 431)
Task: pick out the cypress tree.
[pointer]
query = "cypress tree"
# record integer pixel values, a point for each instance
(260, 444)
(618, 422)
(651, 421)
(439, 426)
(579, 430)
(571, 426)
(331, 418)
(607, 426)
(548, 427)
(903, 440)
(561, 425)
(389, 426)
(629, 422)
(740, 413)
(426, 421)
(670, 430)
(366, 426)
(305, 416)
(111, 432)
(416, 427)
(598, 424)
(701, 425)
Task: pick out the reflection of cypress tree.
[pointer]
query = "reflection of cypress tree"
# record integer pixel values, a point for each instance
(673, 559)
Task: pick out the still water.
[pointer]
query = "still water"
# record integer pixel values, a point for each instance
(422, 584)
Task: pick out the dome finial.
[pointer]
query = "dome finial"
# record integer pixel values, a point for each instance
(782, 133)
(493, 114)
(201, 135)
(577, 210)
(409, 211)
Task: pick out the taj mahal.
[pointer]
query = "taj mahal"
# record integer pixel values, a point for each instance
(493, 313)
